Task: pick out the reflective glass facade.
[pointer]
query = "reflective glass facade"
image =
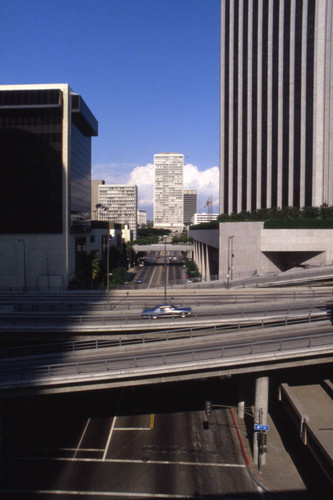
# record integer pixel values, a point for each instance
(80, 180)
(31, 161)
(36, 159)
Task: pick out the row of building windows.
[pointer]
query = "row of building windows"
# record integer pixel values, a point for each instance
(251, 58)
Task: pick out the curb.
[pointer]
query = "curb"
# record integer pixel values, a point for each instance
(249, 464)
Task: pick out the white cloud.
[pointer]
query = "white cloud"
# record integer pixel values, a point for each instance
(112, 173)
(205, 182)
(143, 177)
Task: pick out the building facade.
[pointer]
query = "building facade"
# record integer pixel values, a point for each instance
(190, 205)
(142, 218)
(94, 198)
(201, 218)
(119, 203)
(168, 191)
(276, 134)
(45, 144)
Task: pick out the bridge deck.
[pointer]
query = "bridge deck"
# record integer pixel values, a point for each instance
(160, 247)
(316, 404)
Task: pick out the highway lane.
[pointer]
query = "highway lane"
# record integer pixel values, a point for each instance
(143, 443)
(125, 314)
(96, 300)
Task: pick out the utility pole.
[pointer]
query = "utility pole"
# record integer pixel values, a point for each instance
(165, 270)
(230, 259)
(108, 272)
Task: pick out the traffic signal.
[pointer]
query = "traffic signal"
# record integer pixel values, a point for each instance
(262, 441)
(208, 407)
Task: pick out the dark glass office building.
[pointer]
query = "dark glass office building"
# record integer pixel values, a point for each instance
(45, 144)
(45, 188)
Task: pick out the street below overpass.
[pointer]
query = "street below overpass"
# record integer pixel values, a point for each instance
(147, 442)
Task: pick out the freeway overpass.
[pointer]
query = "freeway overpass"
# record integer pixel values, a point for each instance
(161, 357)
(160, 247)
(103, 367)
(158, 358)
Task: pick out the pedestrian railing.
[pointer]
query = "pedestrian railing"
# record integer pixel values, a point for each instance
(111, 366)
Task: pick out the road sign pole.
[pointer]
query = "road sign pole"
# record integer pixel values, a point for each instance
(260, 418)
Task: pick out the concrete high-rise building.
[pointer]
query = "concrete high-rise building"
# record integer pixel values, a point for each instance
(142, 217)
(190, 205)
(276, 142)
(45, 144)
(168, 191)
(118, 203)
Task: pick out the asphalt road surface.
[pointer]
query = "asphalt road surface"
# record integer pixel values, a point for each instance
(136, 443)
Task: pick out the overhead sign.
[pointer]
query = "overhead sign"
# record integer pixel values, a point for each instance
(260, 427)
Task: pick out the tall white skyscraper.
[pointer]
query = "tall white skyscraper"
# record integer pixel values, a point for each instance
(168, 191)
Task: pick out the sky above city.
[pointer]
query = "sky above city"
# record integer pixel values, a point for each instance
(148, 70)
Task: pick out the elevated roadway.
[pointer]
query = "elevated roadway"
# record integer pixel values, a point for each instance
(160, 247)
(159, 360)
(184, 351)
(90, 313)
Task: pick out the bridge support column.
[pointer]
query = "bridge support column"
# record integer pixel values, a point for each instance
(207, 267)
(196, 256)
(241, 399)
(199, 261)
(202, 259)
(260, 417)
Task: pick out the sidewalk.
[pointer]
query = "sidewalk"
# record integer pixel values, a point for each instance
(279, 474)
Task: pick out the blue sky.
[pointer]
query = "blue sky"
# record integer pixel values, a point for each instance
(148, 70)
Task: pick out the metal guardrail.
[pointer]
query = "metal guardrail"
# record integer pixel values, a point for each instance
(67, 302)
(107, 366)
(158, 336)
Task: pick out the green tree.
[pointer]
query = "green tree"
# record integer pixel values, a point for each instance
(118, 277)
(95, 268)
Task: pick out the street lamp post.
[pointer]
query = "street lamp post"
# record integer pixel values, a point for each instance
(165, 270)
(108, 272)
(24, 265)
(230, 259)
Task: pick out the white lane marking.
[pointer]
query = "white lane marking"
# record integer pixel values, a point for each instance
(82, 436)
(132, 429)
(109, 437)
(63, 449)
(131, 461)
(112, 426)
(151, 279)
(107, 494)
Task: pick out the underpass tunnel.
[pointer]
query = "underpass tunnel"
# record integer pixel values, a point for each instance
(287, 260)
